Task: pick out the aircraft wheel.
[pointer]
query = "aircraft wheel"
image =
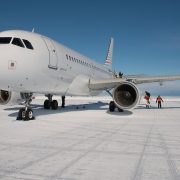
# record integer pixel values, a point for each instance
(54, 105)
(24, 114)
(21, 114)
(112, 106)
(29, 114)
(120, 110)
(47, 104)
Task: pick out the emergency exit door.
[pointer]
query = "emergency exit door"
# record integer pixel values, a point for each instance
(53, 58)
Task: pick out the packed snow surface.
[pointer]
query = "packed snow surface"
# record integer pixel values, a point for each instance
(84, 141)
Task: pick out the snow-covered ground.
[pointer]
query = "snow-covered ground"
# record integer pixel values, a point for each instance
(86, 141)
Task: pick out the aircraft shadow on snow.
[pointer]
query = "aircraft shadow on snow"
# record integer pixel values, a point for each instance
(39, 109)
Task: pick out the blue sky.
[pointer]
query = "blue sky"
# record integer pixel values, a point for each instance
(146, 32)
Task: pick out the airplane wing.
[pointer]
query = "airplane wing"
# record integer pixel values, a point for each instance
(111, 83)
(151, 79)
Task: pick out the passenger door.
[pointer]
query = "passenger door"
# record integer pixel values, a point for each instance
(53, 58)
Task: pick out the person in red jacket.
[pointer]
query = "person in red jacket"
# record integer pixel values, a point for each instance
(159, 100)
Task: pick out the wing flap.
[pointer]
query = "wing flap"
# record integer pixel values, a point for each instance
(111, 83)
(141, 80)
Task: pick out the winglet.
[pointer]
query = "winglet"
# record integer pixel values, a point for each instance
(108, 60)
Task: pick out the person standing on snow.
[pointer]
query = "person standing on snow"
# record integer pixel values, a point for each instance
(159, 100)
(147, 98)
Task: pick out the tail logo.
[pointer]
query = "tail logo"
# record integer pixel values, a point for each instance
(108, 60)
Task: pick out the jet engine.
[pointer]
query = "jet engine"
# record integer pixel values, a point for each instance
(11, 98)
(126, 95)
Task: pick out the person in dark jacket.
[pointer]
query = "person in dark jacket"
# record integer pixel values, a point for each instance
(159, 100)
(147, 98)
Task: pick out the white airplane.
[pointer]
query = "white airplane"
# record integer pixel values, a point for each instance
(32, 63)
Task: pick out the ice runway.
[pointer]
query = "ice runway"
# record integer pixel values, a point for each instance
(87, 142)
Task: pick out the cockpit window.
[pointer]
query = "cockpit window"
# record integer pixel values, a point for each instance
(18, 42)
(28, 44)
(5, 40)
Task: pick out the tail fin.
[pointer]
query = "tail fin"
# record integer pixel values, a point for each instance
(108, 60)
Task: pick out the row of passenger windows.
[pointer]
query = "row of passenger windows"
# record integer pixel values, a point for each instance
(77, 60)
(84, 63)
(16, 41)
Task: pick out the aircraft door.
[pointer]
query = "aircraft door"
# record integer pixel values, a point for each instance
(53, 58)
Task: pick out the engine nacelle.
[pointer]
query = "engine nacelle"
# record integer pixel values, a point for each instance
(126, 95)
(10, 98)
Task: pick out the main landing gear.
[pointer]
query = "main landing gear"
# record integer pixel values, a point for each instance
(53, 104)
(26, 113)
(49, 103)
(112, 107)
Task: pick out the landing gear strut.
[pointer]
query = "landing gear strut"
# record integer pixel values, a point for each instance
(26, 113)
(63, 101)
(49, 103)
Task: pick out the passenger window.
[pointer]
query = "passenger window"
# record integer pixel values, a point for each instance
(5, 40)
(28, 44)
(17, 42)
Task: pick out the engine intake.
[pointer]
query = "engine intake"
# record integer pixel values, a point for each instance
(126, 95)
(11, 98)
(5, 96)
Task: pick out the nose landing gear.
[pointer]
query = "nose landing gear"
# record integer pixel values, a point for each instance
(26, 113)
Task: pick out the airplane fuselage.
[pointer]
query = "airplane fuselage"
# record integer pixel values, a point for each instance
(48, 68)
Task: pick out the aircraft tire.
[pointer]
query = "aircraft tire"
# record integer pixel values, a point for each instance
(29, 114)
(54, 105)
(120, 110)
(111, 106)
(47, 104)
(21, 114)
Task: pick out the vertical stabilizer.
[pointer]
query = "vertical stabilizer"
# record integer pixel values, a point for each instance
(108, 61)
